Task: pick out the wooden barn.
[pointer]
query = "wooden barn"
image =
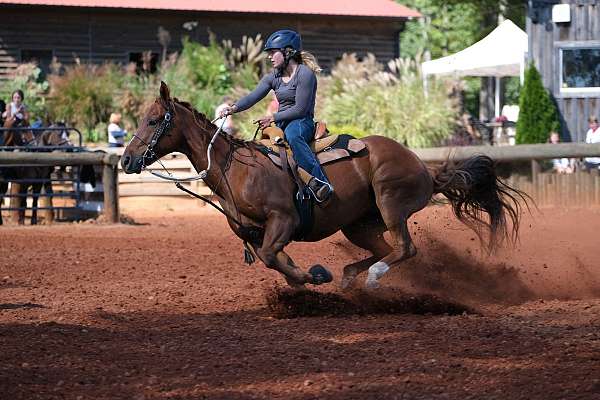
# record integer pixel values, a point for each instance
(120, 30)
(564, 44)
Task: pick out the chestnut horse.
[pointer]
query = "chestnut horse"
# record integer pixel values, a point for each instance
(376, 191)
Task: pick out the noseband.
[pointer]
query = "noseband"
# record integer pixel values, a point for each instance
(164, 126)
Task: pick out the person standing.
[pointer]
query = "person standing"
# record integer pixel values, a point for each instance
(561, 165)
(116, 134)
(592, 136)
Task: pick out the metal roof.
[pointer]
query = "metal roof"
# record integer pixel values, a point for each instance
(356, 8)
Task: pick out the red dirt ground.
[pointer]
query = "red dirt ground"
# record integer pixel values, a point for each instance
(168, 310)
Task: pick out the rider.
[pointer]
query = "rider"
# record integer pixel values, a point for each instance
(294, 82)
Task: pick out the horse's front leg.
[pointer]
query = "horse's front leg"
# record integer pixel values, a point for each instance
(35, 195)
(278, 233)
(23, 190)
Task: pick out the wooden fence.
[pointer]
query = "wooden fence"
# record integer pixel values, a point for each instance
(579, 189)
(109, 173)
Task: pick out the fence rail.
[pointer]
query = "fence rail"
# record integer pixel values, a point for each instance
(579, 189)
(109, 163)
(522, 152)
(546, 188)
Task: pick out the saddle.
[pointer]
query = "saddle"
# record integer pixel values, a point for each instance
(327, 148)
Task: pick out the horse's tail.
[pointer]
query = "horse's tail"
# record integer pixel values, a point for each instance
(473, 189)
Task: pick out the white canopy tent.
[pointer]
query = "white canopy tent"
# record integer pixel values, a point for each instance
(499, 54)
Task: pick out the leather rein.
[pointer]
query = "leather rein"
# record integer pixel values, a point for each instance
(150, 154)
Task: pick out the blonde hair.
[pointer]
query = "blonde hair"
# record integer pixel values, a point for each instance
(310, 61)
(115, 118)
(593, 120)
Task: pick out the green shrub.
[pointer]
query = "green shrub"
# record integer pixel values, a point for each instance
(347, 129)
(199, 76)
(136, 95)
(245, 121)
(84, 96)
(27, 77)
(360, 95)
(537, 112)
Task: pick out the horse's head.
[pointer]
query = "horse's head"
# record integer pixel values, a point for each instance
(55, 138)
(157, 135)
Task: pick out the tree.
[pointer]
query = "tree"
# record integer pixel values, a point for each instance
(538, 115)
(449, 26)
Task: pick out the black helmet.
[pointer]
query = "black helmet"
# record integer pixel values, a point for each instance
(282, 39)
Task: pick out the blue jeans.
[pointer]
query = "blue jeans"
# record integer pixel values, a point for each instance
(298, 133)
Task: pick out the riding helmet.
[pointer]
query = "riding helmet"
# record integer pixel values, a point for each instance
(282, 39)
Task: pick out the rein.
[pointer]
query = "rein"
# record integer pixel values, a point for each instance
(252, 232)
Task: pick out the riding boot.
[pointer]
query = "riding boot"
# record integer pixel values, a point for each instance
(320, 190)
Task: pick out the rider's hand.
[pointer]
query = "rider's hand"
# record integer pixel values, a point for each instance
(264, 122)
(227, 111)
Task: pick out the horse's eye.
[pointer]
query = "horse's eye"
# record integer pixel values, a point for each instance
(152, 122)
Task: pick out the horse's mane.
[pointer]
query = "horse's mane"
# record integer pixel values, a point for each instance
(207, 125)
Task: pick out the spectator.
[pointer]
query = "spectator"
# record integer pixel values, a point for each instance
(592, 136)
(561, 165)
(2, 110)
(16, 113)
(228, 126)
(116, 135)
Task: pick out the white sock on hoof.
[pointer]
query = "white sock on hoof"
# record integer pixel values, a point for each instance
(376, 271)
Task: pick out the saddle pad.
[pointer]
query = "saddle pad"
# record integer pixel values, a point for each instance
(341, 146)
(316, 146)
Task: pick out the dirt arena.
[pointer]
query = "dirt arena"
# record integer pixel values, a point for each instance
(167, 310)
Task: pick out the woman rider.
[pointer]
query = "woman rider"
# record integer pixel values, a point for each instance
(295, 85)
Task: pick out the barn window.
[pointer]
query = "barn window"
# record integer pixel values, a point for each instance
(42, 58)
(580, 69)
(145, 62)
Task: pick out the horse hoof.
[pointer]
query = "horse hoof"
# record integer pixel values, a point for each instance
(348, 280)
(372, 284)
(320, 275)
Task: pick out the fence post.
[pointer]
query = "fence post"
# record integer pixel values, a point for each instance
(536, 169)
(111, 187)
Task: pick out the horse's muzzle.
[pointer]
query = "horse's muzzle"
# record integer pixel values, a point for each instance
(132, 164)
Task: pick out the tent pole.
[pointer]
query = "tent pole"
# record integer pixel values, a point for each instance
(497, 99)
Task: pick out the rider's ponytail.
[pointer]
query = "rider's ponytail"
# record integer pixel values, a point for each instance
(310, 61)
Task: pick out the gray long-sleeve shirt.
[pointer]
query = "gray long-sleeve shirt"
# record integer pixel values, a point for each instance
(296, 98)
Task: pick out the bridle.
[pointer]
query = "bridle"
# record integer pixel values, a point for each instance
(164, 126)
(161, 130)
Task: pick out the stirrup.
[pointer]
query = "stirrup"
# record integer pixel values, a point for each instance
(322, 185)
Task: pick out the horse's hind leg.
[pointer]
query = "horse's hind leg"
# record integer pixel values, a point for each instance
(367, 235)
(397, 200)
(403, 248)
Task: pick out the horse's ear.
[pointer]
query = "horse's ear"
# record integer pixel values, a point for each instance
(165, 95)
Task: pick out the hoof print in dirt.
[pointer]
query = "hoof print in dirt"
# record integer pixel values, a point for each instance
(320, 274)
